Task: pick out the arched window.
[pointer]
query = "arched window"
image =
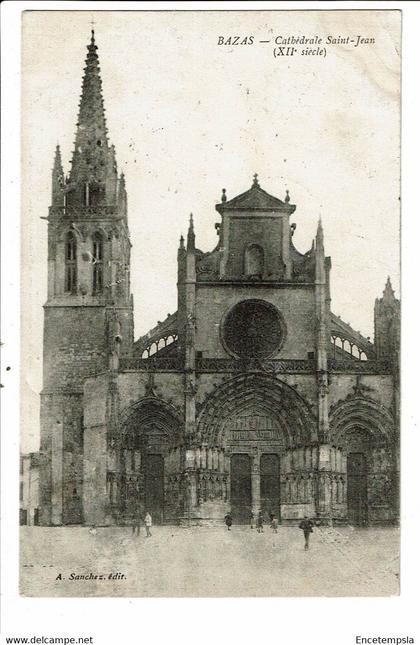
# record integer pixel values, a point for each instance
(70, 279)
(98, 264)
(254, 260)
(347, 346)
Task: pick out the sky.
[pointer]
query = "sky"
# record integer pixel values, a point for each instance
(189, 117)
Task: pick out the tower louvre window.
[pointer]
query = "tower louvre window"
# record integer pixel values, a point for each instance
(71, 263)
(98, 265)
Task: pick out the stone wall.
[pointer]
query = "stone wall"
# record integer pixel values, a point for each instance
(296, 305)
(61, 469)
(75, 345)
(197, 484)
(96, 458)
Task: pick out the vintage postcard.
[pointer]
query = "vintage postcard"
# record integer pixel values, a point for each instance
(211, 330)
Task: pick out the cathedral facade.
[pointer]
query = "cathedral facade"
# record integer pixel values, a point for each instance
(252, 396)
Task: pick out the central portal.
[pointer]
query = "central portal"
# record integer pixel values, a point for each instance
(240, 488)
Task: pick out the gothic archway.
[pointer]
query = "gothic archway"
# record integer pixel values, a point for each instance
(362, 412)
(254, 420)
(149, 452)
(291, 419)
(364, 430)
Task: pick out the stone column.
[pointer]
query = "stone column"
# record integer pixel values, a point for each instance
(329, 474)
(255, 482)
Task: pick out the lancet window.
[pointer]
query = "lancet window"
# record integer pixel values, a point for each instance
(98, 266)
(70, 263)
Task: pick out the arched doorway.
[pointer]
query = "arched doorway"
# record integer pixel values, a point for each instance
(255, 419)
(149, 452)
(364, 430)
(255, 437)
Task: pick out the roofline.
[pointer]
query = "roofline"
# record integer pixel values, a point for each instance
(282, 206)
(286, 208)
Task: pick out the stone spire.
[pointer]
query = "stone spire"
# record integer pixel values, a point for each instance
(93, 175)
(122, 195)
(191, 235)
(320, 238)
(319, 255)
(388, 293)
(57, 198)
(387, 324)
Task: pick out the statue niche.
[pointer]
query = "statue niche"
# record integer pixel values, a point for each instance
(254, 261)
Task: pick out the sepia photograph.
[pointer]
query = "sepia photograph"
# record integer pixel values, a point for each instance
(210, 266)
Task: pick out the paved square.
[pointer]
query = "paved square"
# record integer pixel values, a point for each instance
(201, 561)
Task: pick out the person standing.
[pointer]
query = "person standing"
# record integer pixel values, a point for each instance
(252, 520)
(306, 526)
(148, 524)
(274, 524)
(228, 521)
(260, 523)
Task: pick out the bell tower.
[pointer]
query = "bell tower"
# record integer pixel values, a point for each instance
(88, 294)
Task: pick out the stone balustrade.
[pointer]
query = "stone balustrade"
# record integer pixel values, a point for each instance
(73, 211)
(164, 364)
(360, 367)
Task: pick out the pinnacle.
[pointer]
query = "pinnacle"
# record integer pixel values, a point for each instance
(191, 234)
(388, 291)
(319, 230)
(57, 158)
